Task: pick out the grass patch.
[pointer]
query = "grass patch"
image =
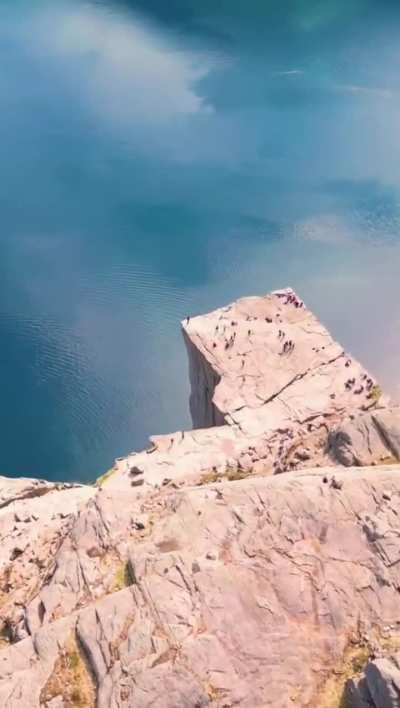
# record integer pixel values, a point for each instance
(353, 663)
(209, 478)
(5, 635)
(100, 481)
(376, 393)
(214, 694)
(232, 473)
(122, 578)
(389, 460)
(73, 660)
(333, 694)
(71, 679)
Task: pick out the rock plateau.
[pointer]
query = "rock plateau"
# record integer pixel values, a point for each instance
(253, 561)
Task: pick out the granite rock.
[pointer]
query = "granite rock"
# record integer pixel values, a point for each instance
(195, 573)
(378, 686)
(274, 387)
(245, 593)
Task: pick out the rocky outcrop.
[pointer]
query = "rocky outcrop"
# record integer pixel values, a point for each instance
(267, 361)
(197, 574)
(367, 439)
(378, 686)
(35, 517)
(275, 387)
(245, 593)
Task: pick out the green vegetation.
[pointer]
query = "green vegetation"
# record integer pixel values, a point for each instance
(234, 473)
(376, 393)
(71, 679)
(100, 481)
(5, 635)
(209, 478)
(73, 659)
(333, 694)
(122, 578)
(231, 473)
(354, 660)
(389, 460)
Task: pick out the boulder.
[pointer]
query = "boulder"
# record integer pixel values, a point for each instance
(368, 438)
(378, 686)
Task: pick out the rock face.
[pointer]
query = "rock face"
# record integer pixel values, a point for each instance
(239, 593)
(378, 686)
(367, 439)
(265, 362)
(275, 387)
(195, 574)
(35, 517)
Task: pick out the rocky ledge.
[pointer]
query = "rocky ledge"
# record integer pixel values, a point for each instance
(252, 561)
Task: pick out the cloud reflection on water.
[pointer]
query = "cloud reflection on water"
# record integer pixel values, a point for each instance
(128, 70)
(145, 176)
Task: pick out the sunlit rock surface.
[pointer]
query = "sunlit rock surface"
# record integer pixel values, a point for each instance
(237, 564)
(274, 384)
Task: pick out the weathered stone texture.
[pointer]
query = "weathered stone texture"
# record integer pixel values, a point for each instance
(196, 573)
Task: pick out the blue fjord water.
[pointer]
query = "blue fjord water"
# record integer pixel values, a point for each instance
(162, 158)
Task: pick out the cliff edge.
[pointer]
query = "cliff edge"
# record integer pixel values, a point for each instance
(252, 561)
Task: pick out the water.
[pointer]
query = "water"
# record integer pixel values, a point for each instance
(159, 159)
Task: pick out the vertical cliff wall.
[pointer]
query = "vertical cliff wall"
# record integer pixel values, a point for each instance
(203, 381)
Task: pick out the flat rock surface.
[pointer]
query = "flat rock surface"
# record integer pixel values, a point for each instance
(266, 353)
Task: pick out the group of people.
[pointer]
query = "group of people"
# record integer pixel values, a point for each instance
(368, 385)
(288, 347)
(291, 299)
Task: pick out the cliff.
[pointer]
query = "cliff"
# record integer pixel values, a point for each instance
(252, 561)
